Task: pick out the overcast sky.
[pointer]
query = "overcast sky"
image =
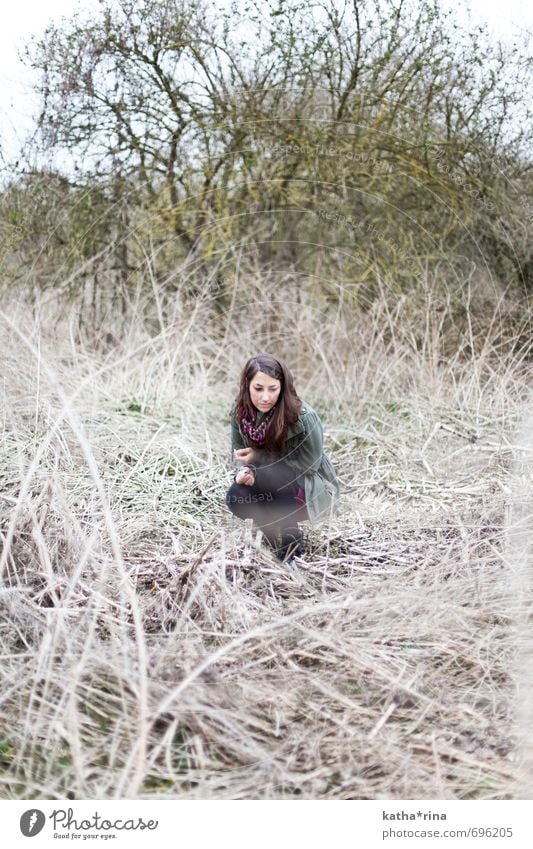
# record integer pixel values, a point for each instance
(23, 18)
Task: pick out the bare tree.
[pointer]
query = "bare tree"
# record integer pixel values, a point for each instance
(376, 127)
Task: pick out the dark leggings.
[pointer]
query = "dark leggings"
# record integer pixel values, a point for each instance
(271, 502)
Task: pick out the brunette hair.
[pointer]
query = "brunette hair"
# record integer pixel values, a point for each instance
(287, 407)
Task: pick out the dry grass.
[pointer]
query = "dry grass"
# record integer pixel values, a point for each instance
(151, 647)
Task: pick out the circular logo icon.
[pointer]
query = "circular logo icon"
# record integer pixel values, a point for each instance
(32, 822)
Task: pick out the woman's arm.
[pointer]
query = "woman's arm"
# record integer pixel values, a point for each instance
(236, 438)
(237, 444)
(306, 456)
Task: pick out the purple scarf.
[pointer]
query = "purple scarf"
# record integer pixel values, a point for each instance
(255, 434)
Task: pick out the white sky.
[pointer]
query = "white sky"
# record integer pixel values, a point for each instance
(23, 18)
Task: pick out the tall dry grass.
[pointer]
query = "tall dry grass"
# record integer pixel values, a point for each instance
(152, 648)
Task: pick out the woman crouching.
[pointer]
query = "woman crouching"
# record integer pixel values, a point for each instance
(282, 475)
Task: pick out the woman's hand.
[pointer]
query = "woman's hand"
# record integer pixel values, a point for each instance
(247, 455)
(245, 476)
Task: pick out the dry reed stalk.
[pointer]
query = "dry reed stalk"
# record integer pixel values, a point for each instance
(150, 647)
(519, 552)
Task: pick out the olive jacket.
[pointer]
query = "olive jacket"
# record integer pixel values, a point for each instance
(303, 451)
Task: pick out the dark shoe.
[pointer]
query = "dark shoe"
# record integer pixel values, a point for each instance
(292, 545)
(270, 541)
(270, 537)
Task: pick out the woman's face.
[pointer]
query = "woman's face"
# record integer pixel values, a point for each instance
(264, 391)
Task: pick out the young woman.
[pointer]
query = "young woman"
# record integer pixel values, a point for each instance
(282, 475)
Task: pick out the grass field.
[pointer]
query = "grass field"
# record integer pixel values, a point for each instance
(152, 648)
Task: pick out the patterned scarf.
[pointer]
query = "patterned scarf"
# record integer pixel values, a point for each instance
(255, 434)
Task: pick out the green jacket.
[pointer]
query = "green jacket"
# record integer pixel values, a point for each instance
(303, 450)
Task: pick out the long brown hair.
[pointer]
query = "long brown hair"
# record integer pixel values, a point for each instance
(287, 407)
